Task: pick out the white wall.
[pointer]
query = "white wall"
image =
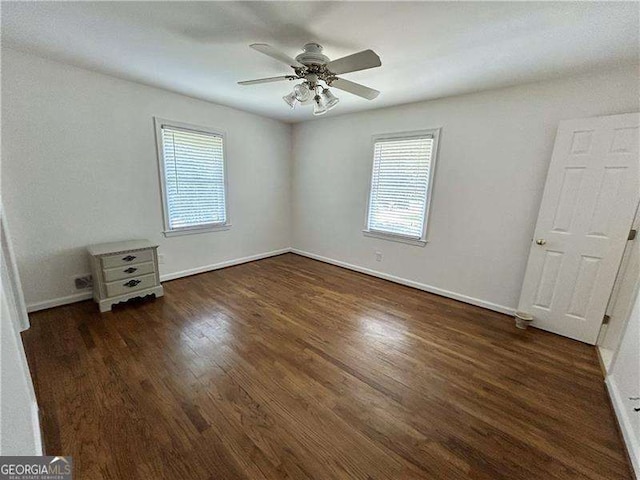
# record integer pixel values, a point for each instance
(624, 385)
(79, 167)
(495, 148)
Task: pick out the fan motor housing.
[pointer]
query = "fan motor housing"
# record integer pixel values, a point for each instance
(312, 55)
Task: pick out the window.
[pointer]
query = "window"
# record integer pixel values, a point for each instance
(401, 181)
(192, 171)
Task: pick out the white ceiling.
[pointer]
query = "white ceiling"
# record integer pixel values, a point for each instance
(428, 49)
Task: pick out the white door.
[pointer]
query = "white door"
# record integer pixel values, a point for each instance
(586, 212)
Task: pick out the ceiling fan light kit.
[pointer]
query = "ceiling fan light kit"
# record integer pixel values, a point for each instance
(313, 67)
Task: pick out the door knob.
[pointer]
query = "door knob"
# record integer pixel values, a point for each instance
(541, 241)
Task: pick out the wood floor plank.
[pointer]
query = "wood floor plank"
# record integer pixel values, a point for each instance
(288, 368)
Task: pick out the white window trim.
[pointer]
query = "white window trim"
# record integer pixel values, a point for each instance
(210, 227)
(394, 237)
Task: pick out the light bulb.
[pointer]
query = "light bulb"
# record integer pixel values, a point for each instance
(291, 99)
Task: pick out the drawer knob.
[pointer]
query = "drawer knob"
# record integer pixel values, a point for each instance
(129, 258)
(130, 270)
(131, 283)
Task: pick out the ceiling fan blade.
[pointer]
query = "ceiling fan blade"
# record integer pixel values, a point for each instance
(355, 88)
(353, 63)
(278, 55)
(267, 80)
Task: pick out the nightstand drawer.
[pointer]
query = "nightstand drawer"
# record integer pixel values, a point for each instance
(112, 274)
(122, 287)
(129, 258)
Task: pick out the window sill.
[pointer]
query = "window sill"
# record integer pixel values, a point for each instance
(420, 242)
(190, 231)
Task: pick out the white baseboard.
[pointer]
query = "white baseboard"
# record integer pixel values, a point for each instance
(56, 302)
(632, 443)
(606, 356)
(410, 283)
(225, 264)
(79, 297)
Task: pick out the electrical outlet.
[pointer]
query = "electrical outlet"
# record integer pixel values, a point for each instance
(378, 256)
(161, 258)
(83, 282)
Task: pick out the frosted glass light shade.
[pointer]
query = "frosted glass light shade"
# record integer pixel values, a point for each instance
(302, 92)
(291, 99)
(330, 100)
(319, 107)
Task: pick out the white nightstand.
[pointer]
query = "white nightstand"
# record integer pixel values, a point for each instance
(124, 270)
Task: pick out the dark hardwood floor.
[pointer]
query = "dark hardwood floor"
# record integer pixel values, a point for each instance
(291, 368)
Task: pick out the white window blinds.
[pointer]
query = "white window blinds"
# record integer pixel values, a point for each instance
(400, 185)
(194, 177)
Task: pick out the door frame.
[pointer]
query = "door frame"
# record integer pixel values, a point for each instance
(11, 278)
(615, 291)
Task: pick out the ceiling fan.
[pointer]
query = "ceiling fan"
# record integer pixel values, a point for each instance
(313, 67)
